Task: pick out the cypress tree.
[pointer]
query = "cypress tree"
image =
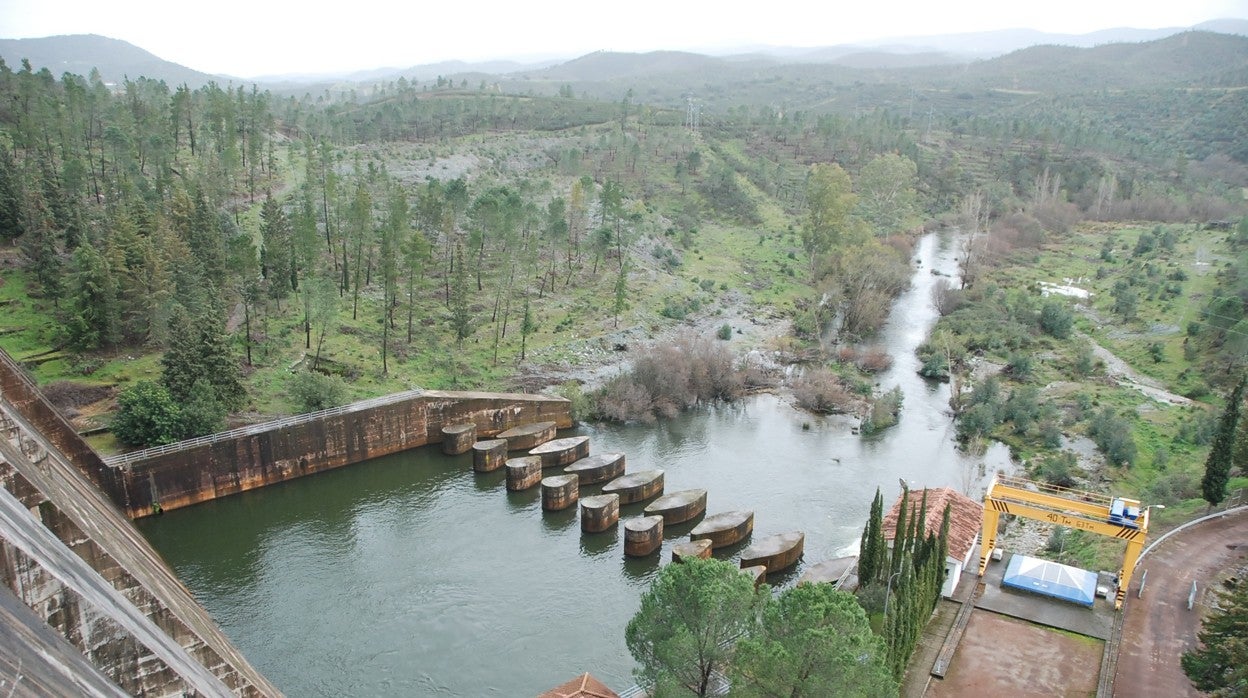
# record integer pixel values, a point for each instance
(872, 554)
(899, 534)
(1218, 464)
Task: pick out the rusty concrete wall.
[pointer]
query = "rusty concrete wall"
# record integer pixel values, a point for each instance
(266, 454)
(54, 487)
(20, 391)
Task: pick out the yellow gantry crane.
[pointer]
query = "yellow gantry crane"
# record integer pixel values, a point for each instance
(1115, 517)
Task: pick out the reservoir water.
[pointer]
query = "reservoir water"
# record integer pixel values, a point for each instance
(411, 575)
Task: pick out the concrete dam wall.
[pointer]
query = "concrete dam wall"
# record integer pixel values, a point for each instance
(199, 470)
(86, 602)
(69, 556)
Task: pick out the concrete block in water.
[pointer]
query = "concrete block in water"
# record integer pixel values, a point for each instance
(597, 468)
(523, 473)
(643, 535)
(756, 573)
(679, 507)
(776, 553)
(562, 452)
(685, 550)
(488, 456)
(725, 528)
(559, 491)
(528, 436)
(458, 438)
(636, 487)
(600, 512)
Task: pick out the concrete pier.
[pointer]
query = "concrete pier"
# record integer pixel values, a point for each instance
(756, 573)
(527, 436)
(458, 438)
(636, 487)
(523, 472)
(776, 553)
(835, 571)
(725, 528)
(600, 512)
(600, 467)
(489, 455)
(679, 507)
(559, 492)
(685, 550)
(643, 535)
(562, 452)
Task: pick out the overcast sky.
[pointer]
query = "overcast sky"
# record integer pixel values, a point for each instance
(247, 38)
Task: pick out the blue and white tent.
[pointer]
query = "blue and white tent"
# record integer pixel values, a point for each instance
(1051, 579)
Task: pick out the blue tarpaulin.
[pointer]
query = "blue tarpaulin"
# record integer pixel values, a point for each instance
(1050, 579)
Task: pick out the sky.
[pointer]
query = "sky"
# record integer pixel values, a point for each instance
(249, 38)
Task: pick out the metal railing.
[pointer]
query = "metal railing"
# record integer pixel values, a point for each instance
(124, 460)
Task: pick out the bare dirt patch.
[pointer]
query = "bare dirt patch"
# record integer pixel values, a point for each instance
(1039, 661)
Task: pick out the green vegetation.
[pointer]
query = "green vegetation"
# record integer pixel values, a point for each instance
(703, 619)
(689, 621)
(1220, 665)
(907, 580)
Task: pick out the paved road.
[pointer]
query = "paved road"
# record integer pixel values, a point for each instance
(1158, 628)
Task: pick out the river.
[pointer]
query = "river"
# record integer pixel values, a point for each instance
(411, 575)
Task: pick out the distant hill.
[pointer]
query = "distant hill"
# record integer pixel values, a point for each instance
(1194, 58)
(608, 66)
(115, 59)
(427, 71)
(985, 44)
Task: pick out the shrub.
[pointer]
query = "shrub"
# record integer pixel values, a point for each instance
(1112, 435)
(874, 360)
(885, 412)
(314, 391)
(1058, 468)
(821, 390)
(1056, 319)
(724, 332)
(147, 416)
(668, 378)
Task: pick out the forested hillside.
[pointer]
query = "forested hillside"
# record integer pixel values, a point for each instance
(222, 253)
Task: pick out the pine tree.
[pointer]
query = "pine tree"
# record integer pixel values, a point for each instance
(11, 223)
(94, 317)
(1218, 464)
(277, 262)
(199, 351)
(461, 314)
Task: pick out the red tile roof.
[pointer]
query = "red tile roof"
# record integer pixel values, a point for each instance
(583, 686)
(966, 516)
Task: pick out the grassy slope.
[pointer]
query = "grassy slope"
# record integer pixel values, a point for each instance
(758, 260)
(1155, 427)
